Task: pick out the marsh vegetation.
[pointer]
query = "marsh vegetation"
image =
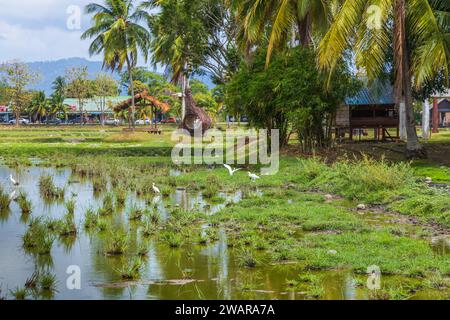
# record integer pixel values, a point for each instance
(301, 228)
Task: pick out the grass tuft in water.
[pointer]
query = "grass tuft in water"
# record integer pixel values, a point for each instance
(131, 270)
(47, 281)
(90, 219)
(24, 203)
(117, 243)
(173, 239)
(38, 238)
(5, 201)
(108, 207)
(19, 293)
(246, 258)
(48, 189)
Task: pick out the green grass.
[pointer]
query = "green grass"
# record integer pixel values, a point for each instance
(439, 174)
(281, 218)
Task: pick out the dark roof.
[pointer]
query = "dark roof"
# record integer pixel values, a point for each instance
(376, 93)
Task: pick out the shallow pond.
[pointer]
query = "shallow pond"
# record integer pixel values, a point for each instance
(190, 272)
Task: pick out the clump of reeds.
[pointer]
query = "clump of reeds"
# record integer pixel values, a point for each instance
(67, 227)
(247, 259)
(99, 184)
(20, 293)
(108, 206)
(136, 213)
(5, 201)
(48, 189)
(38, 238)
(91, 219)
(173, 239)
(70, 207)
(117, 243)
(47, 281)
(131, 270)
(24, 203)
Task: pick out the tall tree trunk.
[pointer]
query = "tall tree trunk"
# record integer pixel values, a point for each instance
(17, 112)
(304, 28)
(426, 120)
(133, 107)
(403, 90)
(184, 87)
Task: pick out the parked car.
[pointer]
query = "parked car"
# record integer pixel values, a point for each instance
(77, 120)
(142, 122)
(54, 122)
(21, 121)
(169, 120)
(112, 122)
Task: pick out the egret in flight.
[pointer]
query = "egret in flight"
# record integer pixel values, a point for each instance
(231, 170)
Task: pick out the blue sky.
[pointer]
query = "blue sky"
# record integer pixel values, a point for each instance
(36, 30)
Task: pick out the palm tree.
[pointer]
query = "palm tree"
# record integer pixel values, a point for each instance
(57, 105)
(174, 39)
(287, 20)
(39, 105)
(59, 86)
(118, 34)
(415, 32)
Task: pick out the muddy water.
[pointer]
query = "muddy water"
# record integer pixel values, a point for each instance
(191, 272)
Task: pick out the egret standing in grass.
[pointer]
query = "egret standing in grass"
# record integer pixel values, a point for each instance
(253, 176)
(156, 189)
(231, 170)
(14, 182)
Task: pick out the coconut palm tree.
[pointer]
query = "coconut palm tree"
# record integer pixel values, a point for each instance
(39, 105)
(177, 39)
(286, 20)
(119, 36)
(59, 86)
(57, 106)
(415, 31)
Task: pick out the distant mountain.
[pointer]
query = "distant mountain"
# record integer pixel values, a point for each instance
(49, 70)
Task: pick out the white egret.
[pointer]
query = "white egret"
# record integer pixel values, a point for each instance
(253, 176)
(156, 189)
(14, 182)
(231, 170)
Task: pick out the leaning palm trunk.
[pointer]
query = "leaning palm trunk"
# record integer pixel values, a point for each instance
(196, 118)
(403, 89)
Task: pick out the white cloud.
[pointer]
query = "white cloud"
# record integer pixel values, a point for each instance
(36, 30)
(48, 43)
